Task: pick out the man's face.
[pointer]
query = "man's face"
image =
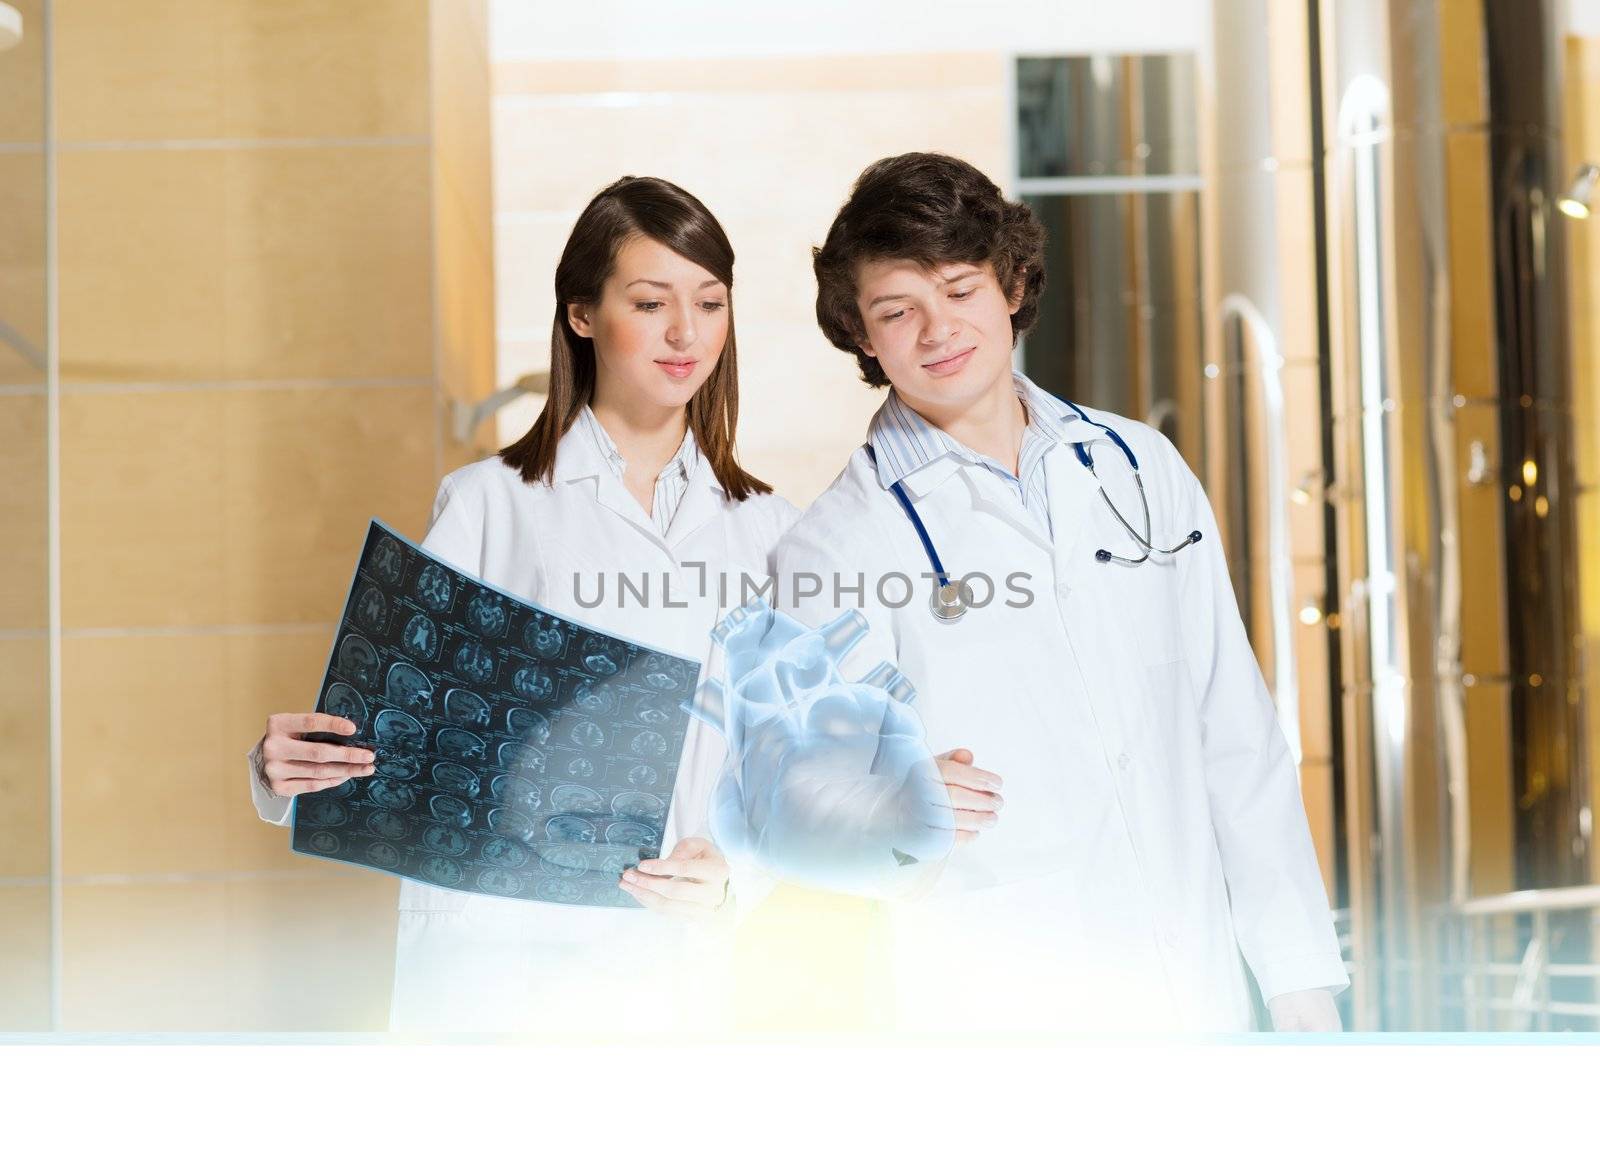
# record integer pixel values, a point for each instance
(943, 336)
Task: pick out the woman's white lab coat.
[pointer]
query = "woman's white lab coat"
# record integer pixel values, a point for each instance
(469, 962)
(1153, 825)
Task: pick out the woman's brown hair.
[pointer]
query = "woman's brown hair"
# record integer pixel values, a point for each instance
(669, 215)
(932, 209)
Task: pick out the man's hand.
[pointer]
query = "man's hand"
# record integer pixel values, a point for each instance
(692, 881)
(974, 793)
(1311, 1011)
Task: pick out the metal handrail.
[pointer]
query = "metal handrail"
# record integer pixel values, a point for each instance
(1530, 1003)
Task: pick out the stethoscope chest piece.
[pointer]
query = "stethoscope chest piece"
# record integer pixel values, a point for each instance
(950, 601)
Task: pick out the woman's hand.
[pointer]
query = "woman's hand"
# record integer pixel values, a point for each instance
(692, 881)
(292, 765)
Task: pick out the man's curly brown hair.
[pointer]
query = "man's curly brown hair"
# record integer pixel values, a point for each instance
(934, 210)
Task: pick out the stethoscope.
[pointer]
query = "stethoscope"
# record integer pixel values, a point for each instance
(953, 598)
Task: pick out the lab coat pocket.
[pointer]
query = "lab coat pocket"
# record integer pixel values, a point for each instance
(1154, 614)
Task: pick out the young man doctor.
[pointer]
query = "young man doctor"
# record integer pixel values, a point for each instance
(1134, 820)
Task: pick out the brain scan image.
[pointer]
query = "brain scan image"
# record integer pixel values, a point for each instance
(651, 713)
(560, 890)
(650, 744)
(389, 561)
(461, 744)
(638, 806)
(510, 790)
(450, 810)
(434, 589)
(576, 799)
(421, 638)
(372, 610)
(534, 683)
(511, 824)
(525, 758)
(473, 661)
(569, 829)
(324, 843)
(528, 726)
(456, 779)
(466, 707)
(387, 824)
(440, 871)
(358, 661)
(499, 851)
(499, 882)
(395, 729)
(345, 701)
(631, 833)
(325, 813)
(596, 698)
(600, 664)
(545, 639)
(444, 839)
(564, 861)
(520, 753)
(408, 688)
(397, 766)
(487, 614)
(396, 796)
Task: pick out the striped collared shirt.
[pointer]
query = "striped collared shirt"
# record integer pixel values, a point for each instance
(670, 484)
(903, 441)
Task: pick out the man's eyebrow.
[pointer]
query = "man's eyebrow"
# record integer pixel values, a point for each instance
(970, 270)
(876, 301)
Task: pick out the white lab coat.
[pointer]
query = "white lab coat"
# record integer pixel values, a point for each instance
(474, 963)
(1153, 826)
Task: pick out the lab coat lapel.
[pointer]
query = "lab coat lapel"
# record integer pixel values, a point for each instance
(580, 463)
(986, 493)
(702, 500)
(1073, 494)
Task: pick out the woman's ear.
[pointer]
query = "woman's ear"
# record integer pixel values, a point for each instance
(578, 319)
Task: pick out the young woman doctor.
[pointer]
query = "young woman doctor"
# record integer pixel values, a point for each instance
(629, 470)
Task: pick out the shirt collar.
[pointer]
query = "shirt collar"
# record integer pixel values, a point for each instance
(682, 463)
(904, 442)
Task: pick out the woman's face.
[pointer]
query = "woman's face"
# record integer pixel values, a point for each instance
(658, 328)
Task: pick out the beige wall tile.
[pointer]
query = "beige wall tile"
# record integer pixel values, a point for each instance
(141, 265)
(328, 264)
(22, 283)
(213, 956)
(154, 782)
(171, 69)
(25, 946)
(311, 955)
(24, 535)
(218, 507)
(25, 758)
(154, 777)
(144, 957)
(22, 80)
(791, 75)
(250, 264)
(143, 790)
